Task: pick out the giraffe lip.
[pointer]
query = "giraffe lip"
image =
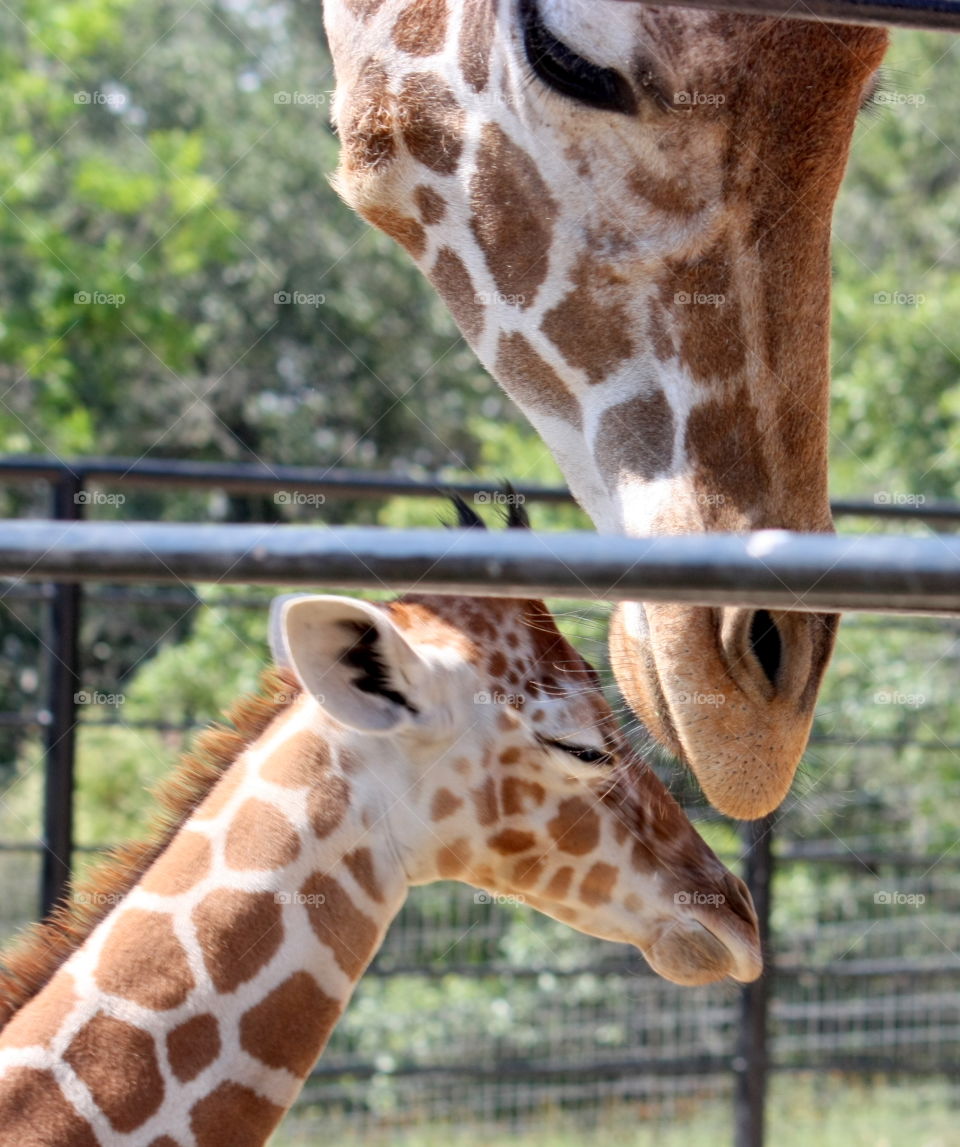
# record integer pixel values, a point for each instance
(742, 944)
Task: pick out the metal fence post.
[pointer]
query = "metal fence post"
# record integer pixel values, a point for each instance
(63, 681)
(750, 1062)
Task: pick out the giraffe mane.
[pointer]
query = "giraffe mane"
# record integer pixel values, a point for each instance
(31, 960)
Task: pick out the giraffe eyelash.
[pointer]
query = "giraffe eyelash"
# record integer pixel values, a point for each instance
(585, 753)
(561, 69)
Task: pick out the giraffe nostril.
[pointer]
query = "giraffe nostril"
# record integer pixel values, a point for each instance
(766, 645)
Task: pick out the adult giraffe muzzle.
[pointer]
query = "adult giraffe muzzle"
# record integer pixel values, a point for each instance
(627, 210)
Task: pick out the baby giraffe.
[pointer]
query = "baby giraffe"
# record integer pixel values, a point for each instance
(181, 999)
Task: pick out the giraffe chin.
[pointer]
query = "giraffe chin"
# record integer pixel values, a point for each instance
(689, 953)
(683, 671)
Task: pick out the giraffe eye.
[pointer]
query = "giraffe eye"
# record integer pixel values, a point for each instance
(571, 75)
(585, 753)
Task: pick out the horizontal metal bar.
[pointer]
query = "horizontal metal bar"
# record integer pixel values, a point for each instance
(934, 15)
(770, 569)
(334, 484)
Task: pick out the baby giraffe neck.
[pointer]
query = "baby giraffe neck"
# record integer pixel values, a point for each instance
(194, 1012)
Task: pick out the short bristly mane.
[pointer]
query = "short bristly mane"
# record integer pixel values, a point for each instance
(28, 964)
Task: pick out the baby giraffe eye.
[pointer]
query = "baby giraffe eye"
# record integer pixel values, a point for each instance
(585, 753)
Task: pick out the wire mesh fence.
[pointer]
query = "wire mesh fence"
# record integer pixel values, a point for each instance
(478, 1012)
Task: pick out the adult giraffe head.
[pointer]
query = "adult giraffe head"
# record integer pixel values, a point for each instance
(627, 210)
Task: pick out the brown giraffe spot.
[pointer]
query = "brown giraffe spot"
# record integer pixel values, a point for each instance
(143, 961)
(642, 856)
(511, 840)
(298, 762)
(725, 444)
(38, 1114)
(516, 791)
(476, 38)
(193, 1046)
(261, 837)
(360, 864)
(635, 438)
(453, 860)
(184, 862)
(444, 804)
(597, 886)
(165, 1141)
(704, 303)
(576, 827)
(679, 196)
(349, 933)
(462, 766)
(238, 933)
(559, 884)
(233, 1116)
(573, 324)
(431, 204)
(289, 1027)
(363, 9)
(221, 793)
(513, 214)
(421, 27)
(368, 129)
(533, 381)
(497, 664)
(620, 830)
(327, 804)
(452, 280)
(485, 802)
(118, 1063)
(528, 871)
(431, 122)
(40, 1019)
(403, 228)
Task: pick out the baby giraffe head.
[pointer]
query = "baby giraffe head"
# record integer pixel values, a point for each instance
(481, 744)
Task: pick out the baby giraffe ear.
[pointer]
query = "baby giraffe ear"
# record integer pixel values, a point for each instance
(351, 657)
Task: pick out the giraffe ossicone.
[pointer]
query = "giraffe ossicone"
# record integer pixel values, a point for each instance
(627, 210)
(182, 999)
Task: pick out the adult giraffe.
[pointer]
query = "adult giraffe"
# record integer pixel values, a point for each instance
(627, 210)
